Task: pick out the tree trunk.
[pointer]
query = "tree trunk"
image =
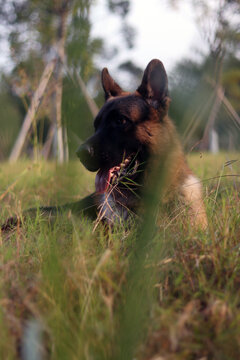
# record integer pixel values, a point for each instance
(91, 103)
(214, 141)
(205, 143)
(48, 143)
(58, 76)
(35, 102)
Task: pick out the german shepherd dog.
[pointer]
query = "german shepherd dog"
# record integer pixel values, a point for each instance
(130, 129)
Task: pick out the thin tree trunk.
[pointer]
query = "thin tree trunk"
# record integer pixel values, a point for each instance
(217, 57)
(65, 140)
(58, 75)
(205, 143)
(48, 143)
(91, 103)
(231, 110)
(226, 102)
(58, 113)
(35, 102)
(214, 141)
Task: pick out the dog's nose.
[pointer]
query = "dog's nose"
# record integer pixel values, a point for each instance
(85, 152)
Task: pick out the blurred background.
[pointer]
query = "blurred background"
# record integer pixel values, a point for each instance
(52, 53)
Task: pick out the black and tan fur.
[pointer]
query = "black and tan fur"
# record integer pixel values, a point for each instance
(132, 130)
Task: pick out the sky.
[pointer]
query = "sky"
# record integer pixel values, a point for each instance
(162, 31)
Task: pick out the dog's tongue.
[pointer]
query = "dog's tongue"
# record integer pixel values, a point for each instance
(102, 180)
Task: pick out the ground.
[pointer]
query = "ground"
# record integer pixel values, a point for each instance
(157, 291)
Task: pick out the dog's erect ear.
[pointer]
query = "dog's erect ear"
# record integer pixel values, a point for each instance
(110, 87)
(154, 86)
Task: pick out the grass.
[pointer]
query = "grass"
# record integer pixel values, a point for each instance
(68, 292)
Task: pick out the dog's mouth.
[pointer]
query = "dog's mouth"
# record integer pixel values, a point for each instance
(107, 177)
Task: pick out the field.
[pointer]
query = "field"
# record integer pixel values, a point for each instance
(70, 289)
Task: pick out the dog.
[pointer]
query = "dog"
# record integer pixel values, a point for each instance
(131, 129)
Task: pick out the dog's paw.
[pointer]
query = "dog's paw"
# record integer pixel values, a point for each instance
(10, 224)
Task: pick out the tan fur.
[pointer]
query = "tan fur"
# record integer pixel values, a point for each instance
(191, 192)
(181, 184)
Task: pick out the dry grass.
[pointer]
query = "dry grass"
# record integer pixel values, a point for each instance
(68, 292)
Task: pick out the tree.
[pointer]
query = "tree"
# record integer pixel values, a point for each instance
(220, 29)
(37, 31)
(45, 25)
(191, 89)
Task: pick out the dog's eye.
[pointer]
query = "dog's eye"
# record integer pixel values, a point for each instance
(122, 121)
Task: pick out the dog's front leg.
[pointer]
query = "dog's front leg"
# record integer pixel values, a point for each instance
(87, 206)
(191, 194)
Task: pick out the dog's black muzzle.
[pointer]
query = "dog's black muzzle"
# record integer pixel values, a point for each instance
(88, 154)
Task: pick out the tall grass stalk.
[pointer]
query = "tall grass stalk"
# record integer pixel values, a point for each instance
(138, 294)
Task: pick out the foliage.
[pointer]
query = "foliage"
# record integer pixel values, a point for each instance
(122, 8)
(72, 283)
(33, 29)
(194, 83)
(11, 115)
(192, 90)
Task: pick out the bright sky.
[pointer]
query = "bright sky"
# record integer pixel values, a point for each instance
(162, 31)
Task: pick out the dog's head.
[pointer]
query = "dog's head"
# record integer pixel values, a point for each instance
(126, 127)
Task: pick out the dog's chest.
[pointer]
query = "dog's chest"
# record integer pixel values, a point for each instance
(112, 210)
